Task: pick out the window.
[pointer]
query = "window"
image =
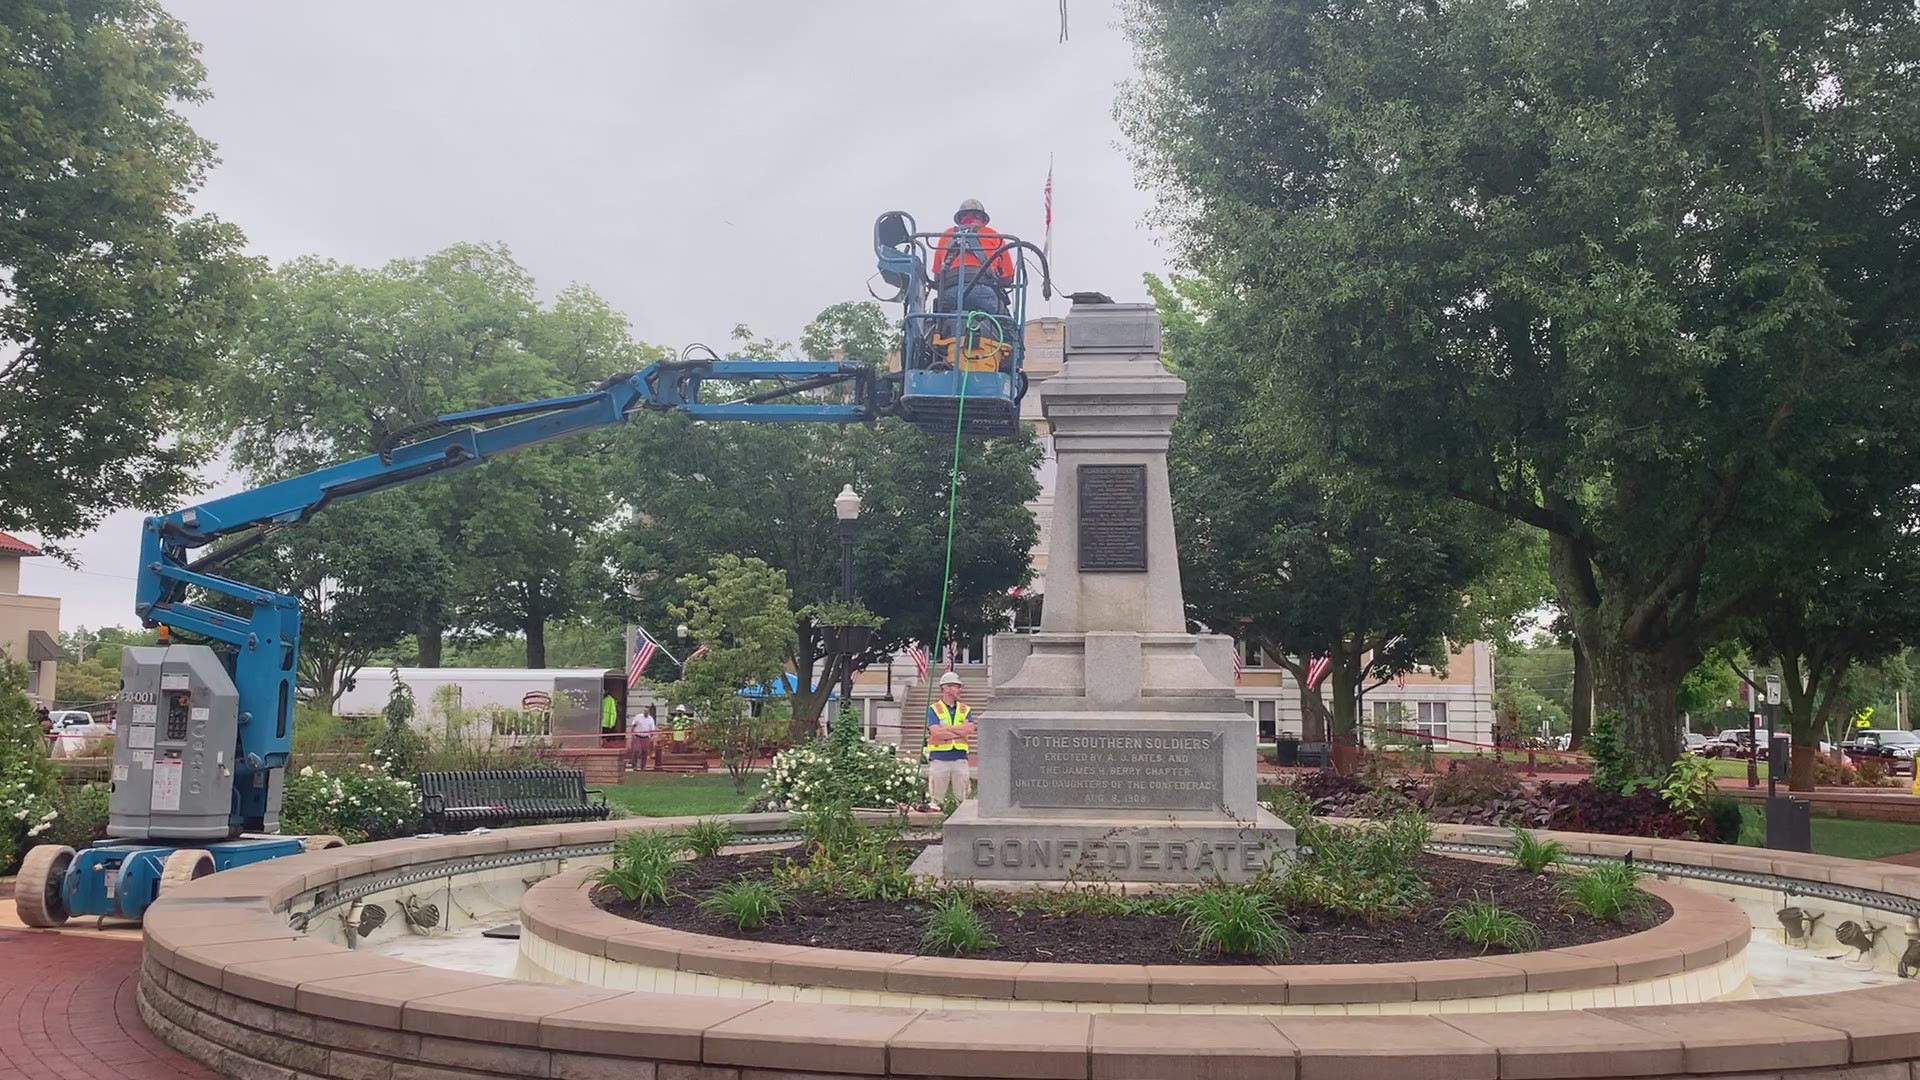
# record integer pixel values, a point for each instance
(1026, 612)
(33, 680)
(1252, 656)
(1433, 720)
(1268, 711)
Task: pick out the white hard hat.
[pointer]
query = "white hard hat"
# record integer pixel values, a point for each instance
(950, 679)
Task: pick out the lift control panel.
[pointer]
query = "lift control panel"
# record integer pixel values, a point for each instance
(178, 730)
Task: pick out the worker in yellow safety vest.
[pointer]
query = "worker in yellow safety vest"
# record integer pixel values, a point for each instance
(949, 729)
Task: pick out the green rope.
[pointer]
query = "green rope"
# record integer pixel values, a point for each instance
(953, 501)
(953, 487)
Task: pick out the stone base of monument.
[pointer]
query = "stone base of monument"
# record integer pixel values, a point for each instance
(1092, 849)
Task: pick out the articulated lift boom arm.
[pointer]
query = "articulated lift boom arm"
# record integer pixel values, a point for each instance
(265, 643)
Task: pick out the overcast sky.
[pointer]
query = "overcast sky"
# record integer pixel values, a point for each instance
(701, 163)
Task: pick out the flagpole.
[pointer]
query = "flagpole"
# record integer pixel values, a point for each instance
(657, 645)
(1046, 244)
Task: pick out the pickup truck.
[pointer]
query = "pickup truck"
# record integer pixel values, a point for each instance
(1893, 749)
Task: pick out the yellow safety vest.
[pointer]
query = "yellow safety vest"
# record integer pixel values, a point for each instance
(948, 720)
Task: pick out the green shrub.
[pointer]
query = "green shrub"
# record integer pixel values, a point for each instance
(398, 747)
(27, 776)
(1607, 891)
(1290, 805)
(1535, 855)
(1724, 810)
(1368, 871)
(641, 869)
(1487, 924)
(954, 928)
(748, 903)
(1689, 787)
(707, 838)
(1231, 921)
(845, 768)
(1611, 768)
(81, 816)
(356, 804)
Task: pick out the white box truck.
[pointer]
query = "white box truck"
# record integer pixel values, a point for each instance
(558, 704)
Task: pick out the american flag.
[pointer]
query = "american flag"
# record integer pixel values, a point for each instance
(644, 649)
(1237, 662)
(1317, 669)
(1401, 682)
(948, 657)
(1046, 245)
(695, 655)
(919, 657)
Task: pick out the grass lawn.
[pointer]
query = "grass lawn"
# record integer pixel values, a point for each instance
(1848, 839)
(1735, 768)
(653, 794)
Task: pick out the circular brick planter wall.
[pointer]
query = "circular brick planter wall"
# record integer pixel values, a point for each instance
(227, 981)
(1697, 955)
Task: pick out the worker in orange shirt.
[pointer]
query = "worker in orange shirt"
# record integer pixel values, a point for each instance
(974, 252)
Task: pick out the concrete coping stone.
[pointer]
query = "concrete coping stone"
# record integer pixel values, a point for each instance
(1703, 930)
(226, 934)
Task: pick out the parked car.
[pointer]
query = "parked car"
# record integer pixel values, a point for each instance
(1893, 749)
(76, 732)
(1695, 743)
(1734, 743)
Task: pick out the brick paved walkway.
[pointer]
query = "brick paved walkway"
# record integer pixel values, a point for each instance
(67, 1010)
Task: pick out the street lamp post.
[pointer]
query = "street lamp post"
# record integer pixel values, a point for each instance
(846, 508)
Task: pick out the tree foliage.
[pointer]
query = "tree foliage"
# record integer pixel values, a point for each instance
(366, 575)
(1630, 272)
(741, 612)
(765, 491)
(116, 302)
(1306, 561)
(339, 359)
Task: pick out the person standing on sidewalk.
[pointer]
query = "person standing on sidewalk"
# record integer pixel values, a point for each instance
(950, 729)
(640, 738)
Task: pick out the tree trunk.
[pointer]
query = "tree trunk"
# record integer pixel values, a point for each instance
(1346, 755)
(1800, 776)
(536, 631)
(1313, 716)
(433, 641)
(1581, 713)
(810, 694)
(1645, 687)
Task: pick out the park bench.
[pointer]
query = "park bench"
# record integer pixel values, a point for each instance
(1315, 755)
(454, 801)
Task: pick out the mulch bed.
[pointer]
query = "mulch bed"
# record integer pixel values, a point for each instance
(834, 922)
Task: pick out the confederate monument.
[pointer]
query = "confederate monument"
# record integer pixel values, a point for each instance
(1115, 747)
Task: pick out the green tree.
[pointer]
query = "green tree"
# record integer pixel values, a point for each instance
(340, 359)
(1306, 562)
(1628, 272)
(741, 612)
(857, 330)
(696, 490)
(1860, 605)
(366, 575)
(116, 303)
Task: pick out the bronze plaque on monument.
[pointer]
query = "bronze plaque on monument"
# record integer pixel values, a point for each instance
(1113, 519)
(1146, 769)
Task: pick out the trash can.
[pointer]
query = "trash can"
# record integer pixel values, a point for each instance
(1286, 751)
(1789, 824)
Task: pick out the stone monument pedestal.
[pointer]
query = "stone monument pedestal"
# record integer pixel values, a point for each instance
(1115, 747)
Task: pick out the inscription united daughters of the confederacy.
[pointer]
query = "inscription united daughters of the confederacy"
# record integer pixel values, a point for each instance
(1123, 770)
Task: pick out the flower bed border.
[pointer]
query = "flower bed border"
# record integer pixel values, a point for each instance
(227, 982)
(1703, 932)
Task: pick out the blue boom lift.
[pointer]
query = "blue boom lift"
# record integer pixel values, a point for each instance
(204, 731)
